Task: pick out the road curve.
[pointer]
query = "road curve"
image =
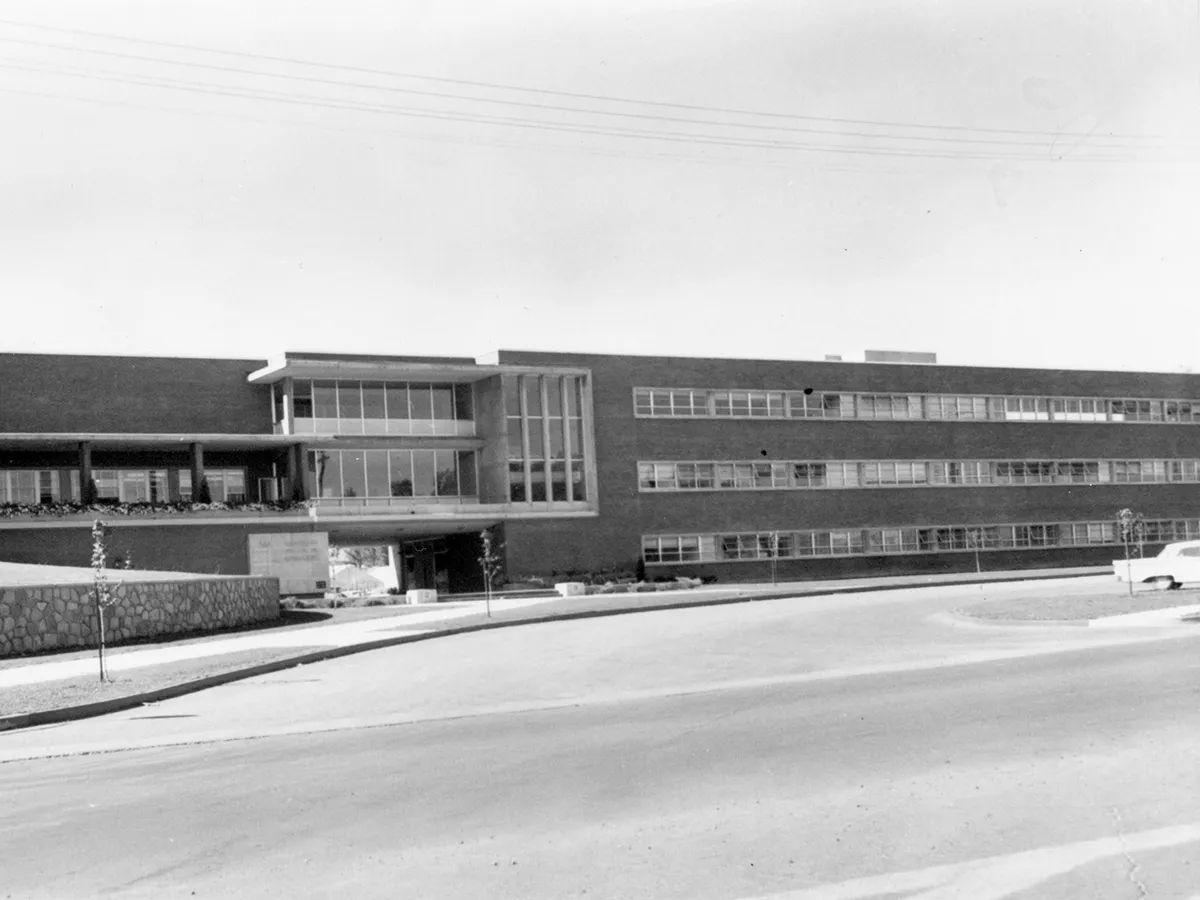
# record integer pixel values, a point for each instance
(849, 748)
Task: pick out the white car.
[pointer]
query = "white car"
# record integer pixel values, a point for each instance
(1177, 563)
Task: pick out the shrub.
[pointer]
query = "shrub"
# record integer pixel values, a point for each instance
(644, 587)
(375, 601)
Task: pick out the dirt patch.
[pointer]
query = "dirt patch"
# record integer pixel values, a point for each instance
(1114, 601)
(80, 690)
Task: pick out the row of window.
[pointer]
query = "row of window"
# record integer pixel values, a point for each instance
(707, 476)
(38, 486)
(377, 407)
(544, 422)
(700, 548)
(690, 402)
(358, 475)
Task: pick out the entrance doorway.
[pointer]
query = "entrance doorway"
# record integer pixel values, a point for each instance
(448, 564)
(425, 566)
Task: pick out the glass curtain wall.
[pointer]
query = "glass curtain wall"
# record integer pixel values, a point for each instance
(382, 407)
(391, 477)
(545, 438)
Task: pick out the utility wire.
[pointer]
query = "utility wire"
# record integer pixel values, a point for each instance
(535, 124)
(1012, 140)
(465, 141)
(554, 93)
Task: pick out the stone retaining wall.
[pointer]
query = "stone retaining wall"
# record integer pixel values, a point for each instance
(44, 617)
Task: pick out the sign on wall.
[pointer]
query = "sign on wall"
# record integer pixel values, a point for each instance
(299, 560)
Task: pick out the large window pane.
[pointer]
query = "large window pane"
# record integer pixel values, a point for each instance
(397, 400)
(468, 481)
(302, 399)
(576, 426)
(533, 395)
(349, 400)
(578, 486)
(378, 484)
(324, 399)
(234, 481)
(135, 487)
(558, 481)
(326, 467)
(424, 473)
(373, 400)
(464, 403)
(443, 402)
(553, 397)
(447, 473)
(420, 401)
(108, 486)
(572, 397)
(516, 482)
(514, 439)
(537, 482)
(354, 474)
(158, 486)
(556, 439)
(537, 447)
(402, 474)
(512, 395)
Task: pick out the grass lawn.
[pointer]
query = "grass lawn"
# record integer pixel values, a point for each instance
(1069, 606)
(89, 689)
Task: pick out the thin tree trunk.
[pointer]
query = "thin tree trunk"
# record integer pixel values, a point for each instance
(100, 617)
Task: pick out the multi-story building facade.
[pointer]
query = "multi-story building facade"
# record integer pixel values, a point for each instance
(742, 469)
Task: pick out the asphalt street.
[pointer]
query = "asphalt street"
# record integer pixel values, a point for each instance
(854, 746)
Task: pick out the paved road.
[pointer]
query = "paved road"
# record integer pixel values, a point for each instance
(849, 747)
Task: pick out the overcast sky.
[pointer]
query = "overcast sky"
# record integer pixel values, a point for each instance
(1004, 183)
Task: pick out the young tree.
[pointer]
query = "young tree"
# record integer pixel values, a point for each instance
(1131, 527)
(102, 596)
(491, 561)
(974, 542)
(364, 557)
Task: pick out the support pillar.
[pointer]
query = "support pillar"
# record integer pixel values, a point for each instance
(85, 472)
(297, 473)
(396, 561)
(197, 454)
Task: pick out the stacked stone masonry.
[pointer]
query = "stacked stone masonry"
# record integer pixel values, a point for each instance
(51, 617)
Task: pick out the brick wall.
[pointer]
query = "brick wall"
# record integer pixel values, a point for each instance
(209, 549)
(131, 394)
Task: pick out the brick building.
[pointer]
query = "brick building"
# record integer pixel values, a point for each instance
(742, 469)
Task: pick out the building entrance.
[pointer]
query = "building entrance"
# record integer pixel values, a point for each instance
(447, 564)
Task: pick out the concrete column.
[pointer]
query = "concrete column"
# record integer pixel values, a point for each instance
(300, 479)
(286, 387)
(396, 561)
(85, 472)
(197, 452)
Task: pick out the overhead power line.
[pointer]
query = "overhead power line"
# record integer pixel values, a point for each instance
(604, 98)
(1012, 140)
(210, 88)
(406, 134)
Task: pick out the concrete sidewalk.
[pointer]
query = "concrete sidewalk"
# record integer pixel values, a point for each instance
(446, 616)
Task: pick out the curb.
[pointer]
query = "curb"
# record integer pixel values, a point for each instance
(962, 620)
(119, 704)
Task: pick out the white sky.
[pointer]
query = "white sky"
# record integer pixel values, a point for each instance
(153, 220)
